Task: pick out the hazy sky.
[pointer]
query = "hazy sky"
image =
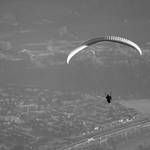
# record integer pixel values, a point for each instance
(37, 35)
(81, 18)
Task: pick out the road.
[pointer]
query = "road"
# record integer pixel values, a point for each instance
(103, 136)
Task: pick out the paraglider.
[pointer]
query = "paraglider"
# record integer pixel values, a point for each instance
(108, 98)
(115, 39)
(101, 39)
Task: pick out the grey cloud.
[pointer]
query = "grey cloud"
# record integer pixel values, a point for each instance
(26, 31)
(5, 35)
(43, 21)
(63, 46)
(9, 57)
(10, 18)
(36, 53)
(47, 21)
(5, 45)
(55, 52)
(35, 44)
(38, 64)
(64, 31)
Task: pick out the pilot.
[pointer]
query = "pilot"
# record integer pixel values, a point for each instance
(108, 98)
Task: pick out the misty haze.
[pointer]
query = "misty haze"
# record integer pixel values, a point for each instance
(47, 104)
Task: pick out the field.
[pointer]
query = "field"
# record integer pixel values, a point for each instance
(142, 106)
(134, 143)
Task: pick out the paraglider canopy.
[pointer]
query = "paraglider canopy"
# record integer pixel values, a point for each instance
(101, 39)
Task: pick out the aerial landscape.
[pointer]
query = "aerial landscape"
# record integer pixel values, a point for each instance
(55, 79)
